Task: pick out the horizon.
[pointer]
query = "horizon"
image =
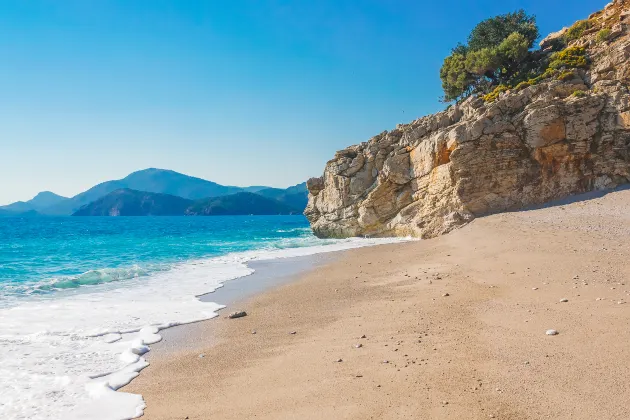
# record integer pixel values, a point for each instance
(249, 93)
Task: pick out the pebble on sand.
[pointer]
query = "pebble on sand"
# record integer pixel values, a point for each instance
(445, 295)
(564, 300)
(237, 314)
(293, 332)
(358, 346)
(551, 332)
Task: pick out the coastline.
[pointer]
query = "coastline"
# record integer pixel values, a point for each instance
(454, 328)
(267, 275)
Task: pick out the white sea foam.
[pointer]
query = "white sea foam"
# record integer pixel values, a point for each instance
(63, 358)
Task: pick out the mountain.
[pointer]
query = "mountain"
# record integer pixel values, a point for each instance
(242, 203)
(127, 202)
(28, 213)
(38, 203)
(46, 199)
(149, 180)
(561, 133)
(159, 181)
(254, 188)
(296, 196)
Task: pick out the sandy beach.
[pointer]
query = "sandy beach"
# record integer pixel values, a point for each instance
(447, 328)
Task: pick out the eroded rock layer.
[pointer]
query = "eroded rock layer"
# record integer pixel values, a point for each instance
(544, 142)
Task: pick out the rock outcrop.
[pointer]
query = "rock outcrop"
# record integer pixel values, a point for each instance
(544, 142)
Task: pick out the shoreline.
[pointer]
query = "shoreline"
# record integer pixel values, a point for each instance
(454, 328)
(267, 275)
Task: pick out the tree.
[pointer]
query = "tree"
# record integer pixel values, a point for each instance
(455, 79)
(497, 53)
(491, 32)
(468, 71)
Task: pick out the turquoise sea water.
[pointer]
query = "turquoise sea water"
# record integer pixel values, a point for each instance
(43, 255)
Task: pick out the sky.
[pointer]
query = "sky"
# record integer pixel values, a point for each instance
(259, 92)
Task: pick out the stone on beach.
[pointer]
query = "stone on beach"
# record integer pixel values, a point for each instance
(564, 300)
(237, 314)
(551, 332)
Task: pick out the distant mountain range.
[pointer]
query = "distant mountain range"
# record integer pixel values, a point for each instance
(154, 184)
(126, 202)
(39, 203)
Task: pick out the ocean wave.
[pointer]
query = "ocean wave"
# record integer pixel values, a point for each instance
(304, 230)
(89, 278)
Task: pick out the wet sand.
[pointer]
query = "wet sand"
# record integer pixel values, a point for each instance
(454, 329)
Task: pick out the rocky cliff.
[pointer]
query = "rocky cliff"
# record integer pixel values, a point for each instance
(562, 136)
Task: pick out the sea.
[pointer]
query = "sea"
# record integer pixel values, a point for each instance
(83, 299)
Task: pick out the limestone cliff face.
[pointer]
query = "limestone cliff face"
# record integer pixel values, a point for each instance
(528, 147)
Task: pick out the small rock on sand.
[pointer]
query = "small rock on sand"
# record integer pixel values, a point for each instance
(551, 332)
(358, 346)
(564, 300)
(237, 314)
(293, 332)
(445, 295)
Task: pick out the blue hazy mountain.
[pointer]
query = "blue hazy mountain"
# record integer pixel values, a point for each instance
(29, 213)
(151, 180)
(243, 203)
(127, 202)
(296, 196)
(38, 203)
(158, 181)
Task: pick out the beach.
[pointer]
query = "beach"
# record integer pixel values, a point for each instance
(448, 328)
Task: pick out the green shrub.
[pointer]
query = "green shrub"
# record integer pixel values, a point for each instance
(494, 95)
(548, 74)
(579, 94)
(570, 58)
(522, 85)
(603, 35)
(567, 75)
(577, 30)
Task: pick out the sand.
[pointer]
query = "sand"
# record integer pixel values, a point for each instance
(454, 329)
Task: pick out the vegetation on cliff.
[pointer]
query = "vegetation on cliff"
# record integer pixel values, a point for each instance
(497, 53)
(499, 57)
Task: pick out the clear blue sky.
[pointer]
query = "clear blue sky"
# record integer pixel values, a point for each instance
(238, 92)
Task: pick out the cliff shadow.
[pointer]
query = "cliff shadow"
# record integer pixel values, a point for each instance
(576, 198)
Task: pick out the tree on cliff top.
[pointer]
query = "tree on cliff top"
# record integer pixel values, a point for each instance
(498, 52)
